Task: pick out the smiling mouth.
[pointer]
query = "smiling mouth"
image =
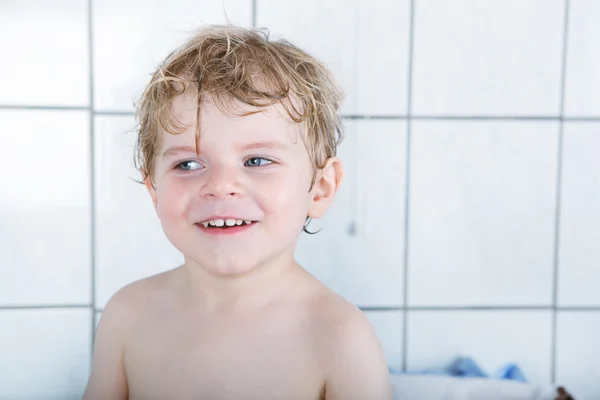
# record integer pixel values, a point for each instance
(225, 223)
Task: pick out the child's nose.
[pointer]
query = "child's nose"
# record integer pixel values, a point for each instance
(222, 182)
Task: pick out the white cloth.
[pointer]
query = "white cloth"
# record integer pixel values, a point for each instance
(434, 387)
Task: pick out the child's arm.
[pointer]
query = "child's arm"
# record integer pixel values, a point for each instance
(107, 379)
(358, 369)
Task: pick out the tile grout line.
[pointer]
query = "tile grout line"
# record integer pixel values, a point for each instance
(461, 308)
(44, 307)
(254, 13)
(504, 308)
(37, 107)
(555, 272)
(92, 182)
(407, 188)
(493, 118)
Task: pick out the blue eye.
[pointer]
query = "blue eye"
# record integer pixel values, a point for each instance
(188, 165)
(257, 162)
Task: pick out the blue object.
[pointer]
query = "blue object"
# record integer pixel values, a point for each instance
(511, 372)
(468, 368)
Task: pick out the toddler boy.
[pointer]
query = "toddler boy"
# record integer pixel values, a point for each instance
(236, 146)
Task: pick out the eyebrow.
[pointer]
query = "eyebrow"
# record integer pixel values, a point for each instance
(267, 144)
(179, 149)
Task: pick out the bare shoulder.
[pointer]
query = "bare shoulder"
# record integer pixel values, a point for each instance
(123, 310)
(355, 363)
(132, 299)
(342, 323)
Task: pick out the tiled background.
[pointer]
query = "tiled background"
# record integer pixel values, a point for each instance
(473, 176)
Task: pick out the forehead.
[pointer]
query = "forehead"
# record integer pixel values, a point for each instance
(233, 120)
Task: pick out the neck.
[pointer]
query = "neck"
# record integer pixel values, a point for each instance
(251, 290)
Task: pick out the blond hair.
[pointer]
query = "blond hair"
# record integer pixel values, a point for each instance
(233, 63)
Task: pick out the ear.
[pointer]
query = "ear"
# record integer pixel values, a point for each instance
(326, 185)
(150, 186)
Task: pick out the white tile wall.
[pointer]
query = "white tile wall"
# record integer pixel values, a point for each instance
(44, 354)
(364, 43)
(365, 267)
(132, 37)
(481, 192)
(577, 353)
(579, 249)
(389, 326)
(482, 211)
(49, 63)
(130, 243)
(44, 207)
(498, 57)
(491, 338)
(582, 90)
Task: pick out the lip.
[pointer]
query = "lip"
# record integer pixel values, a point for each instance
(225, 231)
(224, 217)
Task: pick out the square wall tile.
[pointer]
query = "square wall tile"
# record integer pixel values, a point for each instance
(389, 326)
(582, 83)
(132, 37)
(130, 243)
(579, 251)
(364, 43)
(359, 251)
(491, 338)
(482, 212)
(44, 354)
(45, 48)
(498, 57)
(577, 353)
(45, 210)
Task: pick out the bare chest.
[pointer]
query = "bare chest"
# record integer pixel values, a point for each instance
(222, 361)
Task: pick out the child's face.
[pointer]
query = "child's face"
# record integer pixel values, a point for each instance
(253, 168)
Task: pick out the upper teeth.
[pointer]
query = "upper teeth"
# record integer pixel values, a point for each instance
(221, 222)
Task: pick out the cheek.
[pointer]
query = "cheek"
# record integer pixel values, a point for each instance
(172, 200)
(288, 199)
